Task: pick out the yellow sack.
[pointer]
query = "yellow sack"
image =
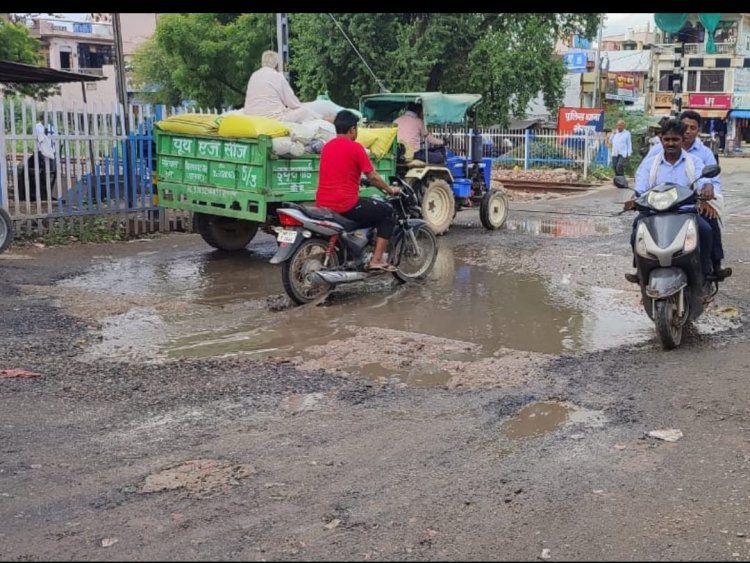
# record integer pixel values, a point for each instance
(378, 139)
(191, 124)
(242, 125)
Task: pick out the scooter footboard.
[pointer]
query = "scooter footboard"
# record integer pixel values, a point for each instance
(663, 282)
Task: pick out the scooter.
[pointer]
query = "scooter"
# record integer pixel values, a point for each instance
(6, 230)
(320, 249)
(667, 257)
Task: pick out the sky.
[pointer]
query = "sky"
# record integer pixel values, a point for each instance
(617, 24)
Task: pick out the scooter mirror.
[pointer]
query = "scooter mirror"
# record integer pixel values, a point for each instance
(711, 171)
(621, 182)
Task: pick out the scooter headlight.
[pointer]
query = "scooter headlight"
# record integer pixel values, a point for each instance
(662, 200)
(691, 238)
(640, 241)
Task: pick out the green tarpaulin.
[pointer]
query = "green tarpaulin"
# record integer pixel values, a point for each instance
(437, 108)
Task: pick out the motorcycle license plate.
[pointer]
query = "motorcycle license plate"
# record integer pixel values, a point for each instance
(286, 236)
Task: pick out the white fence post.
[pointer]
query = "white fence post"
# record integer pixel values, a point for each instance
(3, 157)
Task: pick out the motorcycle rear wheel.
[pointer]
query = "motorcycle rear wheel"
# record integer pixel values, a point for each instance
(415, 261)
(668, 325)
(297, 273)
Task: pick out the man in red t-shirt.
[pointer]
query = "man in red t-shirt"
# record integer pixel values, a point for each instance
(342, 162)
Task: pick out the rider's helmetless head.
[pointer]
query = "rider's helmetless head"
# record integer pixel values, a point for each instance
(692, 122)
(672, 134)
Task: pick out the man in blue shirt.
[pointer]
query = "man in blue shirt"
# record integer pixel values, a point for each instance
(693, 145)
(622, 148)
(676, 165)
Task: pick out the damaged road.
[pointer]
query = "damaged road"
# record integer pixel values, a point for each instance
(500, 412)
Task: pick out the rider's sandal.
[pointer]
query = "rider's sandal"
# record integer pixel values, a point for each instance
(382, 268)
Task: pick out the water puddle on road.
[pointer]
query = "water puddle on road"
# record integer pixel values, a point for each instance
(459, 325)
(567, 228)
(537, 419)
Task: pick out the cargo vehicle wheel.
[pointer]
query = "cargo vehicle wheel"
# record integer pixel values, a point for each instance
(493, 209)
(225, 233)
(438, 205)
(6, 230)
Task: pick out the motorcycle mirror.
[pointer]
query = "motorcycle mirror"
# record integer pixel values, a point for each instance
(711, 171)
(621, 182)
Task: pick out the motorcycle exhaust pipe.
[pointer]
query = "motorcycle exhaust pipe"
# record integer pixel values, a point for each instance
(340, 277)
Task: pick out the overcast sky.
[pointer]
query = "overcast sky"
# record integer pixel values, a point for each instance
(617, 24)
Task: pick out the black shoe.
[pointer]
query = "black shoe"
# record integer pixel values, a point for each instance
(632, 278)
(722, 273)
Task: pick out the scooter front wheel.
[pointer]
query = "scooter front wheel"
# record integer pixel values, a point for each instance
(668, 324)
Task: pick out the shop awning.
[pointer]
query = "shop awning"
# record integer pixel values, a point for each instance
(740, 113)
(710, 113)
(20, 73)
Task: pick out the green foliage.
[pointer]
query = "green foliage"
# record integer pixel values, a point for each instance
(206, 58)
(508, 58)
(91, 229)
(16, 45)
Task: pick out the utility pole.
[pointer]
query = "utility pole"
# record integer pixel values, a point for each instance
(282, 39)
(598, 79)
(122, 88)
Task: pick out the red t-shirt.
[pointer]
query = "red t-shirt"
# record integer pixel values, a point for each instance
(342, 162)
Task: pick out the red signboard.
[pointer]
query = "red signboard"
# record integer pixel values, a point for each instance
(710, 101)
(579, 120)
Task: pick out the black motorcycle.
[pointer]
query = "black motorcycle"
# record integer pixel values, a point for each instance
(667, 256)
(319, 249)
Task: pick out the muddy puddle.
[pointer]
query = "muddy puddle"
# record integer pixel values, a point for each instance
(466, 324)
(537, 419)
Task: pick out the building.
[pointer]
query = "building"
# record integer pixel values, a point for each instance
(716, 79)
(630, 41)
(86, 47)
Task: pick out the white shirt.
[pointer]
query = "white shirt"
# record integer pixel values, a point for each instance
(269, 94)
(621, 143)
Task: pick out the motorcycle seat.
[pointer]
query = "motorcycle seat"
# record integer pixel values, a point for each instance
(323, 214)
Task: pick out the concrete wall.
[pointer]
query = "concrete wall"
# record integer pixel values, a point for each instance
(136, 28)
(99, 95)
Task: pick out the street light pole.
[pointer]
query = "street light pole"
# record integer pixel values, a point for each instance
(122, 89)
(598, 79)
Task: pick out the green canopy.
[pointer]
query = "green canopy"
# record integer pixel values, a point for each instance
(437, 108)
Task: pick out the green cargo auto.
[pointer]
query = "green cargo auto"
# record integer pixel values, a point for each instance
(234, 186)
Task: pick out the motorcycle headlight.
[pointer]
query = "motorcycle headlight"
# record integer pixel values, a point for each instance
(640, 241)
(691, 238)
(662, 200)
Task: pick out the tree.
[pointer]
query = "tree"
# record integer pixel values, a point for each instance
(206, 58)
(16, 45)
(508, 58)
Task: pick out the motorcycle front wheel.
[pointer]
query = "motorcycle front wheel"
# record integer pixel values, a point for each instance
(298, 273)
(415, 255)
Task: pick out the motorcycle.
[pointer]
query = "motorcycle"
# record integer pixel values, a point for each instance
(667, 257)
(6, 230)
(320, 249)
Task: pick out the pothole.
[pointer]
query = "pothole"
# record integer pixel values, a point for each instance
(537, 419)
